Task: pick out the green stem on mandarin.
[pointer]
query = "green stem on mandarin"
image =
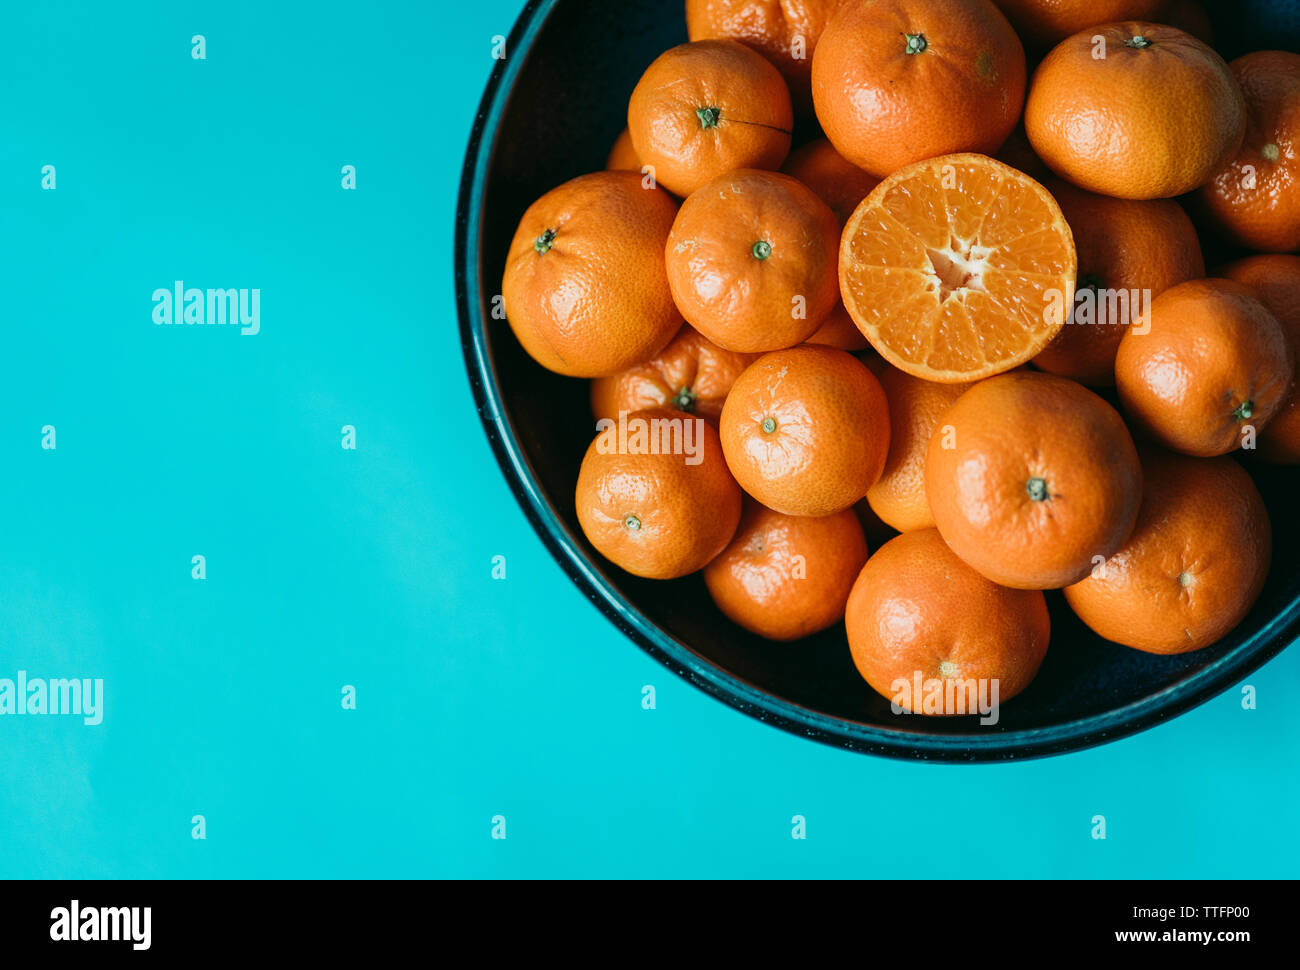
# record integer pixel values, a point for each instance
(1138, 43)
(1037, 489)
(708, 117)
(769, 425)
(1244, 411)
(544, 241)
(684, 400)
(761, 249)
(916, 43)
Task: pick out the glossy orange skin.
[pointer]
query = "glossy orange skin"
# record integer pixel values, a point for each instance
(1122, 244)
(1040, 476)
(838, 330)
(751, 129)
(841, 185)
(777, 29)
(785, 577)
(883, 108)
(1042, 23)
(1275, 280)
(1214, 362)
(622, 156)
(917, 607)
(829, 430)
(738, 299)
(1194, 566)
(1140, 123)
(1254, 199)
(692, 374)
(833, 178)
(915, 409)
(685, 514)
(597, 300)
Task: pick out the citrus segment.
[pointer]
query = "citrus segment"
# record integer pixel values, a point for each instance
(957, 268)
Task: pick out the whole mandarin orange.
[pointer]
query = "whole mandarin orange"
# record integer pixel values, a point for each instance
(1129, 252)
(787, 576)
(917, 612)
(1254, 199)
(1042, 23)
(1144, 111)
(585, 288)
(806, 430)
(1194, 565)
(707, 108)
(658, 511)
(1030, 478)
(1275, 280)
(898, 81)
(692, 374)
(1209, 370)
(784, 31)
(915, 407)
(752, 261)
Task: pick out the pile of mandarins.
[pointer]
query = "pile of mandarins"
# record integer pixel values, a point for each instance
(904, 320)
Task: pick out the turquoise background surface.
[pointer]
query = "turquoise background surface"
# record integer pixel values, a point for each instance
(373, 567)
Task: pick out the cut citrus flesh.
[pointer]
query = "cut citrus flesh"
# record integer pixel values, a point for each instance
(958, 268)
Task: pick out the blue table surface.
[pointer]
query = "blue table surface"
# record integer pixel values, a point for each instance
(476, 697)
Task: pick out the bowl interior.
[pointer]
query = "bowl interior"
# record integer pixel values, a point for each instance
(553, 113)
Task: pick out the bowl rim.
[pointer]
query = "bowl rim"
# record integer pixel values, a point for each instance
(676, 655)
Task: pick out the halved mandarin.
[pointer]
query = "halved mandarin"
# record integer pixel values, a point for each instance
(958, 268)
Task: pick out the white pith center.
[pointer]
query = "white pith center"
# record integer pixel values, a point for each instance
(959, 267)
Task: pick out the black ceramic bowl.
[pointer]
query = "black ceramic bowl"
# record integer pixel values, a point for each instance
(551, 111)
